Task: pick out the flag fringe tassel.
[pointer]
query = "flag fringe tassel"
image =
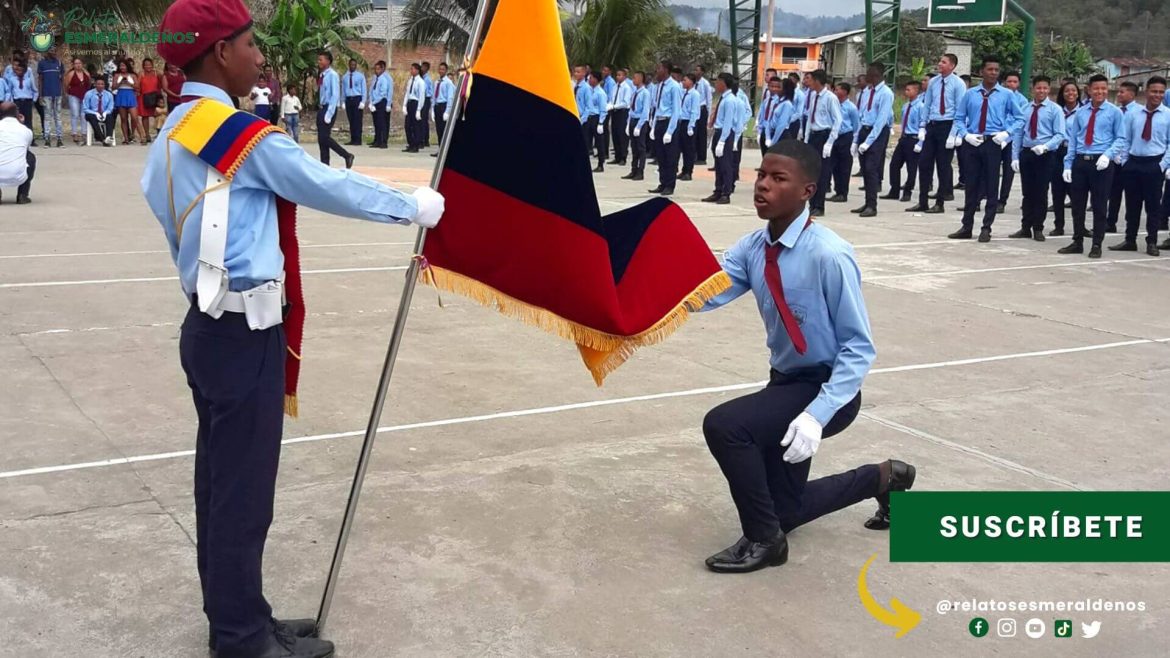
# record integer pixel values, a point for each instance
(290, 405)
(602, 352)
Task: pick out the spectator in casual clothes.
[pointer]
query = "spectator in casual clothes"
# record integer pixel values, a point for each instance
(173, 80)
(77, 84)
(276, 89)
(125, 99)
(50, 75)
(149, 92)
(17, 162)
(100, 112)
(261, 99)
(290, 108)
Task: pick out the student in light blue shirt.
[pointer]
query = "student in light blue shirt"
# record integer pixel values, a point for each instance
(1145, 159)
(381, 100)
(778, 121)
(724, 139)
(637, 127)
(841, 159)
(985, 121)
(413, 102)
(806, 285)
(821, 129)
(707, 102)
(1094, 134)
(22, 84)
(688, 118)
(353, 88)
(619, 116)
(941, 98)
(444, 96)
(873, 136)
(1034, 151)
(594, 126)
(99, 111)
(581, 92)
(1007, 177)
(609, 85)
(665, 127)
(1126, 101)
(909, 146)
(329, 102)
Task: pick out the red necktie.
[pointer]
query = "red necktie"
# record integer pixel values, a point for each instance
(1035, 123)
(906, 116)
(807, 101)
(776, 287)
(768, 113)
(813, 116)
(869, 107)
(22, 82)
(1092, 124)
(1148, 131)
(942, 97)
(983, 114)
(349, 81)
(101, 106)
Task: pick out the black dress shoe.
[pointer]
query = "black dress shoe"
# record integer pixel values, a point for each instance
(916, 208)
(893, 196)
(1095, 251)
(901, 479)
(1152, 249)
(961, 186)
(711, 199)
(1077, 247)
(293, 627)
(710, 168)
(1022, 233)
(599, 169)
(1038, 235)
(1111, 228)
(747, 556)
(1000, 208)
(612, 162)
(620, 163)
(1056, 233)
(349, 161)
(1124, 246)
(723, 201)
(667, 191)
(906, 197)
(685, 177)
(638, 177)
(1165, 244)
(985, 235)
(657, 190)
(21, 200)
(837, 198)
(867, 212)
(816, 212)
(857, 211)
(1051, 209)
(961, 234)
(936, 209)
(628, 177)
(282, 645)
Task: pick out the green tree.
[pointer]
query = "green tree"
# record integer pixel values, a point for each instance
(1005, 42)
(687, 48)
(299, 29)
(439, 21)
(917, 50)
(1065, 58)
(617, 32)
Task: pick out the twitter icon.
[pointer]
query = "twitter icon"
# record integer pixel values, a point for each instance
(1090, 630)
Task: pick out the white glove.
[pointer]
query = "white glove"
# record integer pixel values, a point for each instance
(1040, 149)
(973, 139)
(431, 114)
(918, 147)
(430, 207)
(627, 130)
(735, 145)
(1102, 163)
(1002, 138)
(922, 134)
(101, 116)
(601, 129)
(827, 151)
(1016, 166)
(418, 115)
(719, 149)
(446, 116)
(854, 150)
(651, 135)
(404, 109)
(768, 144)
(802, 439)
(800, 135)
(361, 106)
(952, 142)
(1167, 174)
(638, 130)
(666, 137)
(609, 107)
(1117, 160)
(1067, 176)
(862, 148)
(691, 131)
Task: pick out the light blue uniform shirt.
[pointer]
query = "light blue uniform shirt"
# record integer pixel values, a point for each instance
(382, 90)
(624, 96)
(880, 115)
(581, 93)
(277, 166)
(690, 107)
(1003, 113)
(610, 86)
(416, 90)
(822, 286)
(89, 103)
(798, 103)
(446, 92)
(745, 112)
(669, 103)
(640, 107)
(727, 116)
(706, 92)
(850, 119)
(1049, 128)
(1107, 131)
(25, 91)
(953, 87)
(912, 117)
(652, 88)
(5, 90)
(353, 83)
(429, 85)
(824, 114)
(329, 95)
(781, 119)
(1131, 136)
(598, 102)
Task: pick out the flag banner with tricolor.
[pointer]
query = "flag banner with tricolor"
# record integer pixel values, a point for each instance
(522, 230)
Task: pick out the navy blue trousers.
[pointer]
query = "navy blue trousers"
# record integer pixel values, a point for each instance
(873, 163)
(936, 156)
(770, 494)
(1142, 178)
(237, 381)
(982, 166)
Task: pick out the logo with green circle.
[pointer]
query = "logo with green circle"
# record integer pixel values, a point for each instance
(978, 627)
(40, 28)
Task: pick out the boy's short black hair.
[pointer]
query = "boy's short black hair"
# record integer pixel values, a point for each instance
(328, 55)
(844, 85)
(805, 156)
(1098, 78)
(1156, 80)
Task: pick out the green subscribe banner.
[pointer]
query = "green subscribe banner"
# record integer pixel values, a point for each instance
(1031, 526)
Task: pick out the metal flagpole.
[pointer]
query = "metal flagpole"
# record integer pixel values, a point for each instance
(396, 336)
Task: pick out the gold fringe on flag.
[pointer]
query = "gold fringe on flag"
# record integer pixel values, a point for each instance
(290, 405)
(602, 352)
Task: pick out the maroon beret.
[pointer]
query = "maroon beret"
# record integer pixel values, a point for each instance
(208, 21)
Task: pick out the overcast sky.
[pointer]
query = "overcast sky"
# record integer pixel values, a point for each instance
(806, 7)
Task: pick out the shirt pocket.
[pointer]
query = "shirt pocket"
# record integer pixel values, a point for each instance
(808, 307)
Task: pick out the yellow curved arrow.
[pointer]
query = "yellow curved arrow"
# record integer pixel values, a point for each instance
(899, 616)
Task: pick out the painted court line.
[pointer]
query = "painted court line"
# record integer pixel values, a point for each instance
(81, 254)
(985, 270)
(91, 282)
(576, 406)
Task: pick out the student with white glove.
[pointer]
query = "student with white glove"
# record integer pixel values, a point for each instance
(726, 117)
(412, 104)
(1095, 133)
(940, 101)
(908, 149)
(987, 115)
(1034, 146)
(764, 442)
(1145, 161)
(823, 126)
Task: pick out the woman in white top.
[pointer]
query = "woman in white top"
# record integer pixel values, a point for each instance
(260, 97)
(126, 98)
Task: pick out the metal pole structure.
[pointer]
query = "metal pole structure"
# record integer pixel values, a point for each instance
(389, 37)
(1029, 38)
(771, 29)
(396, 337)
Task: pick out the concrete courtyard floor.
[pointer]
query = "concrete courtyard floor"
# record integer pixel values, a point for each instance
(514, 509)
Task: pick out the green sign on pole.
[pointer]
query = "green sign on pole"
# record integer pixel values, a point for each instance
(959, 13)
